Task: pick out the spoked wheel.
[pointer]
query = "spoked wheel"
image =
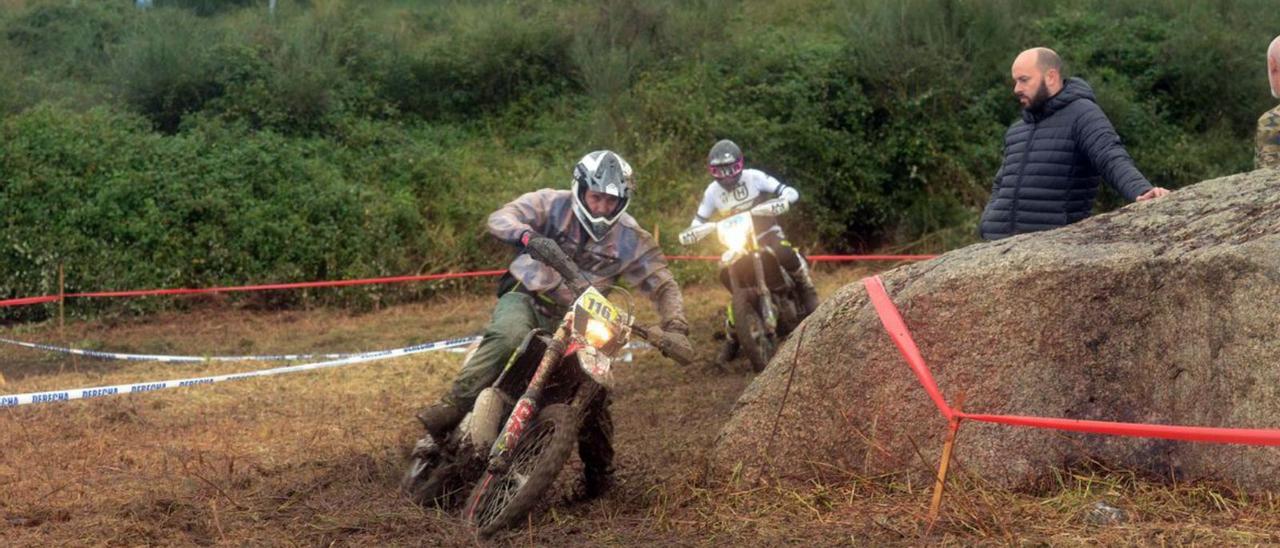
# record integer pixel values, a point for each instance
(500, 501)
(754, 336)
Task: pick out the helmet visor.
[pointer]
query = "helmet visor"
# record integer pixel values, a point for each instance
(726, 171)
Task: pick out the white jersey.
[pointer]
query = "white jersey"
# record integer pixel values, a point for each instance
(754, 187)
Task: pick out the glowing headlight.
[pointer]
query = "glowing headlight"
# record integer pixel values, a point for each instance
(734, 235)
(597, 333)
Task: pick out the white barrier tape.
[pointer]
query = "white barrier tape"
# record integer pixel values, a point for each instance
(13, 400)
(187, 359)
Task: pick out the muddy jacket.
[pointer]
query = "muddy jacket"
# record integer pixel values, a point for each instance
(1267, 143)
(626, 252)
(1053, 157)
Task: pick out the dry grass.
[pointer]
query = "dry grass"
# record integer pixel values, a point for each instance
(313, 458)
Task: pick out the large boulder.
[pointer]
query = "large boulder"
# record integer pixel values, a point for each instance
(1161, 312)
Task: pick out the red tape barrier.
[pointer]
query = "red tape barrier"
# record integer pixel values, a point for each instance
(819, 258)
(28, 300)
(398, 279)
(897, 329)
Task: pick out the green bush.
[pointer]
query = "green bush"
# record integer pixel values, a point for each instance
(166, 68)
(490, 58)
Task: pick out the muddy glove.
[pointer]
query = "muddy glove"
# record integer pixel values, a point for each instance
(548, 252)
(675, 325)
(672, 345)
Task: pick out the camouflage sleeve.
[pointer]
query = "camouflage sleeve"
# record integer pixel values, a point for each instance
(524, 214)
(1267, 143)
(650, 275)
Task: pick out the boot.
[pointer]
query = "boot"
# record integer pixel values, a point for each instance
(804, 284)
(595, 484)
(440, 418)
(729, 351)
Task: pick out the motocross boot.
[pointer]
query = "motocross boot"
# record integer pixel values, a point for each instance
(595, 484)
(804, 284)
(729, 351)
(595, 449)
(440, 418)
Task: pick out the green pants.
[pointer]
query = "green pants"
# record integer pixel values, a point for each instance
(514, 316)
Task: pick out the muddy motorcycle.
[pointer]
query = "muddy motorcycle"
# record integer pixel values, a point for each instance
(523, 427)
(766, 302)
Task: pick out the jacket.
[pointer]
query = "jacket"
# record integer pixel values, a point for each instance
(1053, 158)
(627, 252)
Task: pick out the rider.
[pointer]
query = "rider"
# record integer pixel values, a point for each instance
(591, 226)
(736, 190)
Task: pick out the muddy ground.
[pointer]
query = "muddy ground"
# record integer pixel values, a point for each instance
(314, 458)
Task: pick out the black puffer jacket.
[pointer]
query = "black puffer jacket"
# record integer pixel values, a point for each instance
(1052, 159)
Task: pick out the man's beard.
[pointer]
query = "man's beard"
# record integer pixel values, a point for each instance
(1038, 100)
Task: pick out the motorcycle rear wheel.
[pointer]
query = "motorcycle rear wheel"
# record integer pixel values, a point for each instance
(503, 500)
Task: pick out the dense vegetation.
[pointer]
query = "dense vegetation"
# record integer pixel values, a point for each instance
(207, 143)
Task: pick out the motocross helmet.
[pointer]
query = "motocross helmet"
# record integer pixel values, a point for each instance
(725, 163)
(605, 172)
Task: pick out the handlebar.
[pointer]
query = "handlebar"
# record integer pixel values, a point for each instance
(771, 208)
(548, 252)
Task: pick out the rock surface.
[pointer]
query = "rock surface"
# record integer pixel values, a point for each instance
(1164, 312)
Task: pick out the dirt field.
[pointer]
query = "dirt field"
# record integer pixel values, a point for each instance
(314, 458)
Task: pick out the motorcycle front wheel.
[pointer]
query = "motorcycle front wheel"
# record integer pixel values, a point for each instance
(753, 335)
(503, 500)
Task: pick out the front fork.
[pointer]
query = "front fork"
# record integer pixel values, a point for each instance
(527, 406)
(762, 291)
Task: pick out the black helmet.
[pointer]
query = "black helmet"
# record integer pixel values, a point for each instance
(605, 172)
(725, 163)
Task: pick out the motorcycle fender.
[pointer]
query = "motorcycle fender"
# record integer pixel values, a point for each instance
(481, 426)
(597, 365)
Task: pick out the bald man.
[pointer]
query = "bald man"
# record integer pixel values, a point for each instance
(1055, 154)
(1267, 148)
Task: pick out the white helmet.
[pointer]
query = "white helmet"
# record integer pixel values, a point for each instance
(605, 172)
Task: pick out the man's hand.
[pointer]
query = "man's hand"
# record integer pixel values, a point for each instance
(548, 252)
(676, 346)
(543, 249)
(672, 344)
(1155, 192)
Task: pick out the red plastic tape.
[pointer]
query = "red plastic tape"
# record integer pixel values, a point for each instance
(897, 329)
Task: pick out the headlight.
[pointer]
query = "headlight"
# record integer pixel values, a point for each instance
(734, 236)
(597, 333)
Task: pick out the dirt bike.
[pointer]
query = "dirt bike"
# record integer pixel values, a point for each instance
(523, 427)
(766, 303)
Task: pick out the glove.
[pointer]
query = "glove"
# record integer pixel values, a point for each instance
(542, 248)
(675, 346)
(675, 325)
(548, 252)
